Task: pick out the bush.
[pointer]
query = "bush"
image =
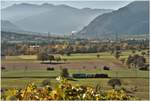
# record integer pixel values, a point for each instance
(114, 82)
(64, 72)
(64, 60)
(50, 68)
(84, 67)
(46, 82)
(98, 55)
(123, 60)
(51, 58)
(143, 53)
(106, 68)
(133, 51)
(68, 53)
(90, 75)
(3, 68)
(64, 91)
(79, 75)
(145, 68)
(101, 76)
(43, 56)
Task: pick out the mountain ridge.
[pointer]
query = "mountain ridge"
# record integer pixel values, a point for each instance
(131, 19)
(62, 17)
(9, 26)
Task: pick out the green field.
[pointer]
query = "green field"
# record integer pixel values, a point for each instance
(129, 77)
(142, 84)
(44, 73)
(77, 56)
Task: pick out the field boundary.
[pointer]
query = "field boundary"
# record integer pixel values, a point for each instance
(73, 78)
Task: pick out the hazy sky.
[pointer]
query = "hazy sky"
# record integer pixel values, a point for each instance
(78, 3)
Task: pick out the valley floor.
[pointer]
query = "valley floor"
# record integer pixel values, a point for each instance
(20, 70)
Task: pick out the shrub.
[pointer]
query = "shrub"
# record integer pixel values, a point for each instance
(84, 67)
(123, 60)
(64, 72)
(143, 53)
(145, 68)
(101, 76)
(133, 51)
(68, 53)
(64, 91)
(90, 75)
(58, 59)
(46, 82)
(147, 53)
(51, 58)
(43, 56)
(64, 60)
(50, 68)
(79, 75)
(3, 68)
(98, 55)
(137, 60)
(117, 54)
(114, 82)
(95, 67)
(106, 68)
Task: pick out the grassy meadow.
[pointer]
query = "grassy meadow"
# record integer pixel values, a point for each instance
(15, 74)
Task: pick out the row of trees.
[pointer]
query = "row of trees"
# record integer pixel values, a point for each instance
(43, 56)
(112, 82)
(136, 61)
(62, 48)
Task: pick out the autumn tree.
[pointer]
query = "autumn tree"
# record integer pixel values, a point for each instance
(58, 59)
(136, 60)
(129, 61)
(143, 53)
(51, 58)
(117, 54)
(43, 56)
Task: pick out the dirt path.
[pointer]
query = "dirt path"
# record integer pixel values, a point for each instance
(89, 64)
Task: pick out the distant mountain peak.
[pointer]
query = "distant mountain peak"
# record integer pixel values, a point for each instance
(9, 26)
(47, 5)
(128, 20)
(65, 6)
(59, 19)
(25, 5)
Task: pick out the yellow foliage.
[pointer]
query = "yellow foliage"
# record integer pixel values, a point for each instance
(64, 91)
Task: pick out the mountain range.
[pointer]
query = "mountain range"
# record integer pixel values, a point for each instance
(9, 26)
(132, 19)
(55, 19)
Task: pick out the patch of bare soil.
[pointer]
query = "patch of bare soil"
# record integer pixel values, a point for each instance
(88, 64)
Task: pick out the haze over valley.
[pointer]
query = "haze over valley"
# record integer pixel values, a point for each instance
(44, 18)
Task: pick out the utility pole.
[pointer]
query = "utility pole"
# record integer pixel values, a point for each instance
(48, 37)
(116, 37)
(147, 36)
(116, 41)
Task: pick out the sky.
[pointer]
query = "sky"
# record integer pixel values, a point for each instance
(77, 4)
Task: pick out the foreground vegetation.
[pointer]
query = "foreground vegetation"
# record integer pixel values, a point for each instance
(65, 91)
(131, 78)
